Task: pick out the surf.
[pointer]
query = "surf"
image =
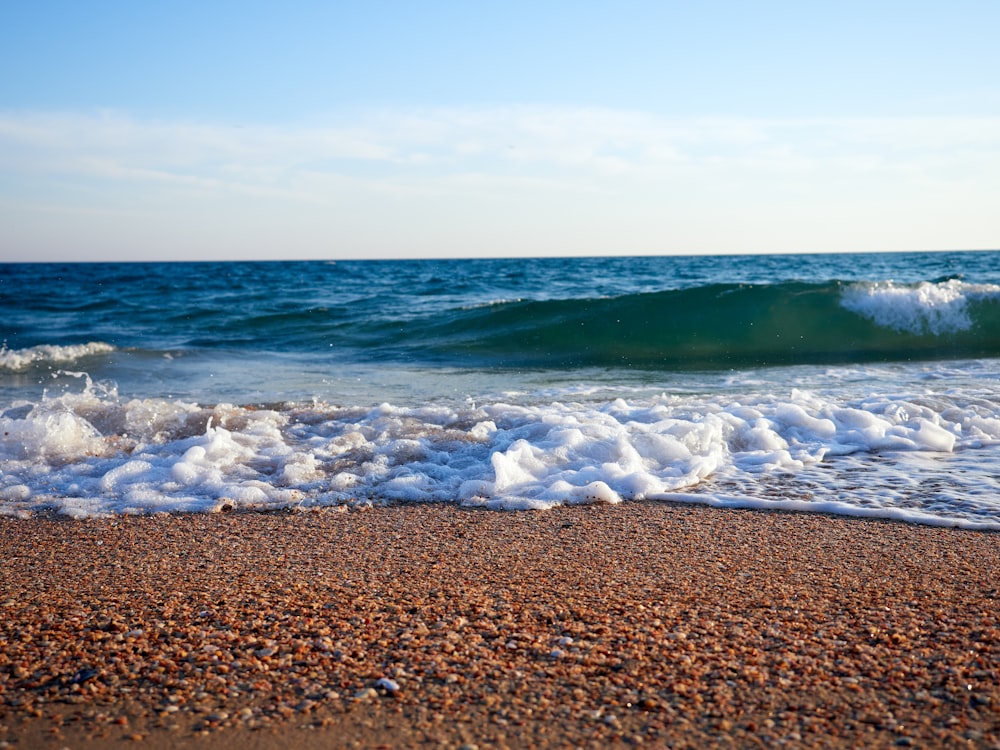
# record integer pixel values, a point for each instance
(716, 326)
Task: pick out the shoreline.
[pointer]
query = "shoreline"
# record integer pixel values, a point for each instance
(434, 625)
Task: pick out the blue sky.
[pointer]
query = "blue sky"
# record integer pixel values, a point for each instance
(183, 130)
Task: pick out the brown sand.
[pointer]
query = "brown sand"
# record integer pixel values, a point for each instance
(592, 626)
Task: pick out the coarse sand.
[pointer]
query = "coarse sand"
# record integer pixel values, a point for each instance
(436, 626)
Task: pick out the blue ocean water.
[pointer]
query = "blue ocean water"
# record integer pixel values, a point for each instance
(855, 384)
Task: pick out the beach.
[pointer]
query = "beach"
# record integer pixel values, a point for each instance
(433, 625)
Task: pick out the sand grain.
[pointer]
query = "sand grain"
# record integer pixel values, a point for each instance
(431, 625)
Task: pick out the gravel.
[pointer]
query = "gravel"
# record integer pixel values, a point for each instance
(431, 625)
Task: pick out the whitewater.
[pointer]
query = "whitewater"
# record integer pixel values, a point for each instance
(856, 385)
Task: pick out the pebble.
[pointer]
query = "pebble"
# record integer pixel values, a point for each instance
(517, 625)
(389, 685)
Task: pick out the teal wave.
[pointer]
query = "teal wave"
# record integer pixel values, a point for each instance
(713, 326)
(678, 313)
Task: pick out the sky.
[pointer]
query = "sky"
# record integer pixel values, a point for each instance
(259, 130)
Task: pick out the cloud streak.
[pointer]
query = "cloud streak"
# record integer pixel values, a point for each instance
(370, 163)
(583, 138)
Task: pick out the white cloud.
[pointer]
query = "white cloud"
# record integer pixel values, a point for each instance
(376, 178)
(586, 139)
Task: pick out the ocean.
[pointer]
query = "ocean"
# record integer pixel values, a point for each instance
(857, 384)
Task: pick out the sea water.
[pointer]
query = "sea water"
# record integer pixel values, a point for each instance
(856, 384)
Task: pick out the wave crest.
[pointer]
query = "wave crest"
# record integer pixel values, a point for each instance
(717, 326)
(22, 359)
(927, 307)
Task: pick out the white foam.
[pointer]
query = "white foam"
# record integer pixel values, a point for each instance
(830, 506)
(92, 453)
(22, 359)
(927, 307)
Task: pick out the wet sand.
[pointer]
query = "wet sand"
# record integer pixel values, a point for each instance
(433, 626)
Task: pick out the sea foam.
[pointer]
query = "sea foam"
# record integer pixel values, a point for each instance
(928, 307)
(91, 453)
(22, 359)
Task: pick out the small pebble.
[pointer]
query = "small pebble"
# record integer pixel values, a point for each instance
(389, 685)
(486, 617)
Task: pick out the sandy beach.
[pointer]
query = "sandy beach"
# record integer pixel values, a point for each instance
(434, 626)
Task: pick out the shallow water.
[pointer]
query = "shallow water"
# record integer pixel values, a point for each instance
(861, 385)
